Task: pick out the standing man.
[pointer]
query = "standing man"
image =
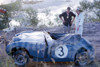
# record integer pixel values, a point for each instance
(79, 20)
(67, 19)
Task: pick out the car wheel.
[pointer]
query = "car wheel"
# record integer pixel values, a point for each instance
(21, 58)
(82, 59)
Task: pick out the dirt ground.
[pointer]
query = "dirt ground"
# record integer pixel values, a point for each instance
(91, 33)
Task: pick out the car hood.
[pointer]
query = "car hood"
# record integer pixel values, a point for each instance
(30, 37)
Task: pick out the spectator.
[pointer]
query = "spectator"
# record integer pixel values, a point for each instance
(67, 19)
(79, 21)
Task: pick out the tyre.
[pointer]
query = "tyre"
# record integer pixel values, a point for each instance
(82, 59)
(21, 58)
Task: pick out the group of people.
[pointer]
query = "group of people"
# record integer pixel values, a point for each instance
(69, 17)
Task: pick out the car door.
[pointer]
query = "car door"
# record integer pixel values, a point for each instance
(49, 42)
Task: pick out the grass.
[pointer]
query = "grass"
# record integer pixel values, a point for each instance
(96, 20)
(6, 61)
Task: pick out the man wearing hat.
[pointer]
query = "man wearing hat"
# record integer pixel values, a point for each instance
(67, 19)
(79, 21)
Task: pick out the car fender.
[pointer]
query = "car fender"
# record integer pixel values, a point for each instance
(32, 48)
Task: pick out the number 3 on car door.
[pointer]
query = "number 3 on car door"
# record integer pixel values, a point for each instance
(61, 51)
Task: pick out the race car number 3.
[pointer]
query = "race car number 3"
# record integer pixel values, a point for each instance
(61, 51)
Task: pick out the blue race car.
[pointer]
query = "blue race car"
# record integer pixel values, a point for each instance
(48, 47)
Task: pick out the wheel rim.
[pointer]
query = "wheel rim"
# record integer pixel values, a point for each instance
(20, 59)
(82, 58)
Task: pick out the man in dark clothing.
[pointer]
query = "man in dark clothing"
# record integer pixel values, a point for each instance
(67, 19)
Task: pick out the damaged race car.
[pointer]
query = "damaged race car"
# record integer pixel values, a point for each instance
(48, 47)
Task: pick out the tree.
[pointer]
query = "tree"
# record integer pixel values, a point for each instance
(85, 4)
(32, 16)
(96, 6)
(91, 7)
(15, 6)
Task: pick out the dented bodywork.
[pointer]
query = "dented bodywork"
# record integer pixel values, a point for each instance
(47, 46)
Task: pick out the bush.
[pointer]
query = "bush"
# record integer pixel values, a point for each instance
(96, 6)
(91, 7)
(58, 20)
(26, 17)
(85, 4)
(3, 20)
(32, 16)
(2, 26)
(15, 6)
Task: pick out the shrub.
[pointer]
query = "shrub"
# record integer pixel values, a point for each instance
(26, 17)
(91, 7)
(58, 20)
(15, 6)
(85, 4)
(32, 16)
(3, 19)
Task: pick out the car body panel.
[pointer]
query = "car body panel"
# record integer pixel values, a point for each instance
(44, 46)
